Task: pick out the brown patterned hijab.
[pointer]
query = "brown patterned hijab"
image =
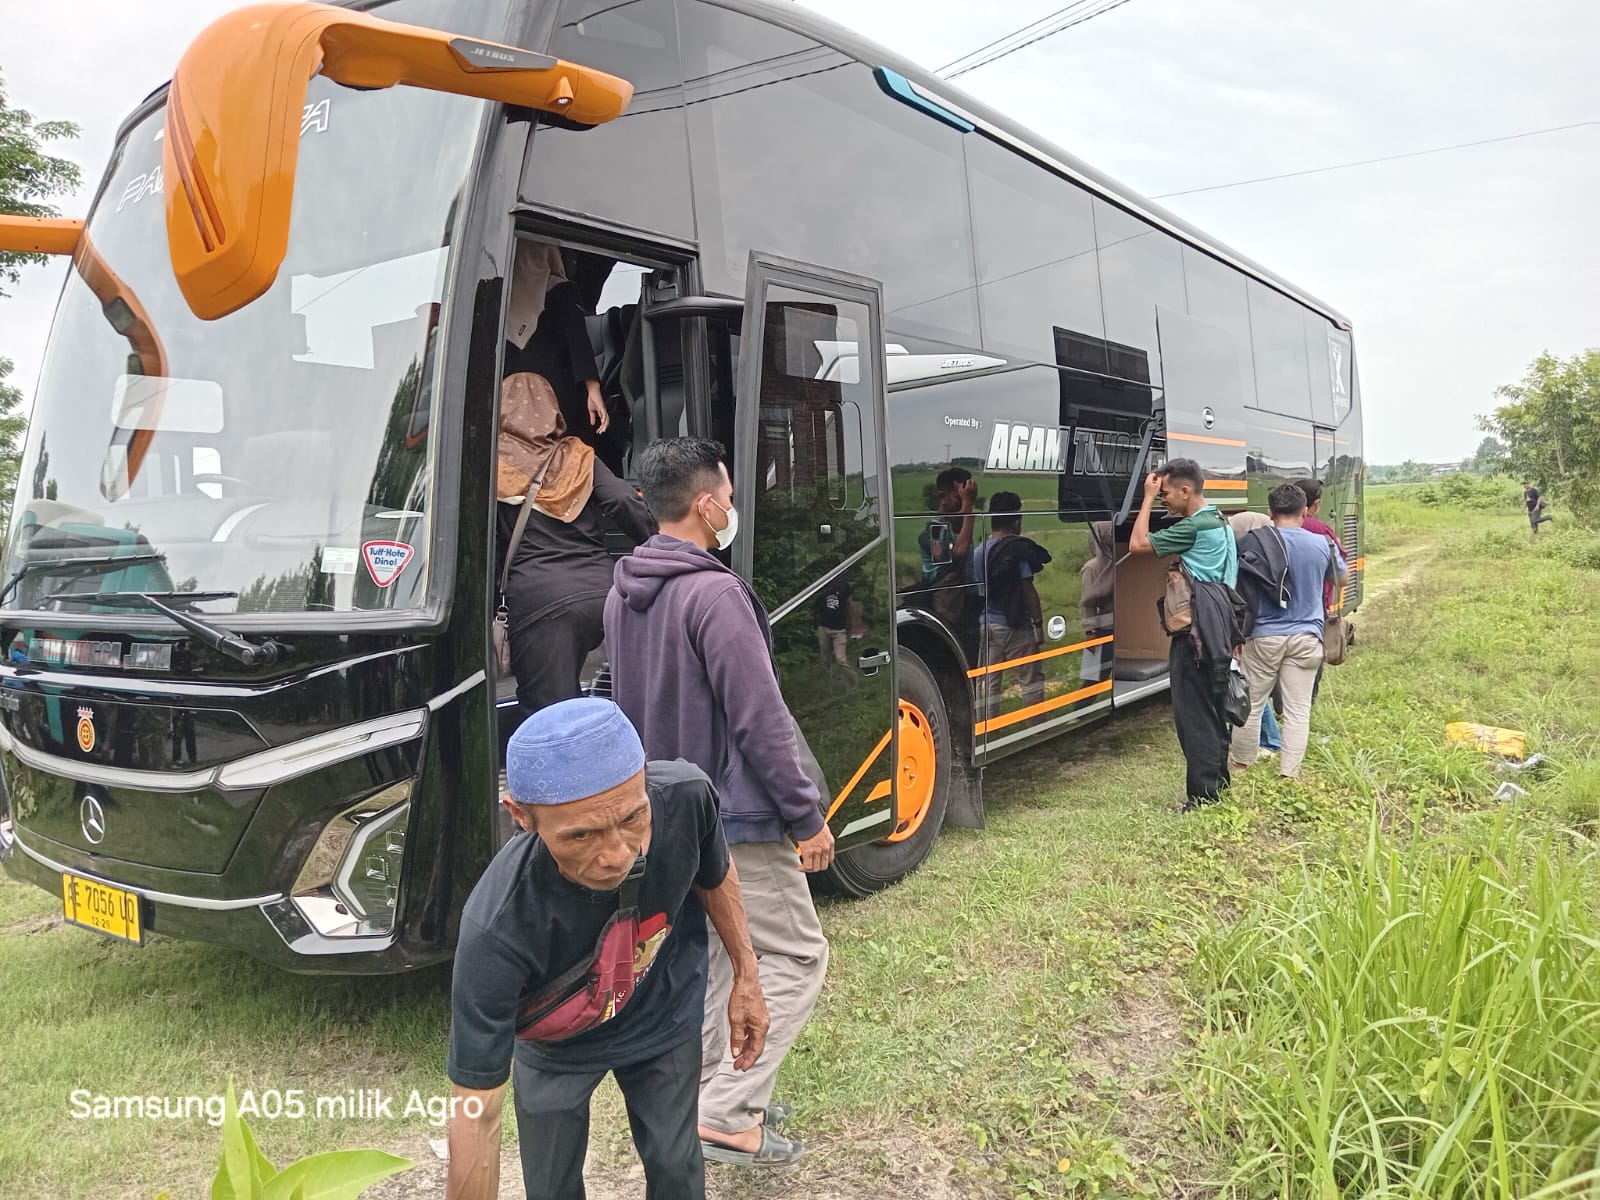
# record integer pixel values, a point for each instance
(534, 447)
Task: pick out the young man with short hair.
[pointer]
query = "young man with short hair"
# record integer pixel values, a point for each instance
(692, 666)
(1203, 539)
(1284, 648)
(1315, 524)
(947, 540)
(583, 952)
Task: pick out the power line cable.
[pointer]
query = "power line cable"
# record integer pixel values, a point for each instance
(1367, 162)
(999, 41)
(1027, 36)
(1062, 28)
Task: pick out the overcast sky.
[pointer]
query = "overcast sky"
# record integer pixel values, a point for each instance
(1455, 268)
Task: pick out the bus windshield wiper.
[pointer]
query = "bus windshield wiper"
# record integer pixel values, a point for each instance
(89, 560)
(251, 654)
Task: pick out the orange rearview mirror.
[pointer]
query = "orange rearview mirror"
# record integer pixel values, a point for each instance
(39, 235)
(233, 124)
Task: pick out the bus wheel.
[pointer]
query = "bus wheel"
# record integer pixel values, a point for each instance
(924, 773)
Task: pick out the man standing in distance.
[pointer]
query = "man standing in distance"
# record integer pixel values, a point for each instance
(1533, 501)
(1204, 540)
(583, 951)
(691, 665)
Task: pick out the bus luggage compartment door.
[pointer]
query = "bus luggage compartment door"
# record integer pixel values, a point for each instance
(810, 481)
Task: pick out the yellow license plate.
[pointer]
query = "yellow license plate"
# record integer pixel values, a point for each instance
(101, 907)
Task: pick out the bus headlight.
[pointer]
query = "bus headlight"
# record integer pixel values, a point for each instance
(349, 885)
(369, 874)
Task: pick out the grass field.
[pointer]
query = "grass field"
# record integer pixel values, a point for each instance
(1379, 983)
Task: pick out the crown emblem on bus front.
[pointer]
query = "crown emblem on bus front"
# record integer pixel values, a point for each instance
(86, 729)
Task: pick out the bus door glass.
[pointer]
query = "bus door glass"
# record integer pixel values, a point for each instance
(1203, 371)
(809, 480)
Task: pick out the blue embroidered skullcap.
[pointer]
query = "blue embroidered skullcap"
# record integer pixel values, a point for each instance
(571, 751)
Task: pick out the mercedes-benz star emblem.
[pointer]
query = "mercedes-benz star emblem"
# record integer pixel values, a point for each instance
(93, 819)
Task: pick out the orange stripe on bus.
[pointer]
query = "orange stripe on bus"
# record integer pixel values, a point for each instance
(1210, 441)
(866, 765)
(1034, 710)
(980, 672)
(1228, 485)
(1361, 563)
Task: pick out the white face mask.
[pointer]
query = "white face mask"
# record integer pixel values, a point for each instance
(728, 532)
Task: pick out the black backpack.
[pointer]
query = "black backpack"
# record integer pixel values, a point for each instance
(1004, 581)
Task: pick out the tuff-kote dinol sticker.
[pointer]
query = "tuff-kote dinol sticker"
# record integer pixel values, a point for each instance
(385, 560)
(340, 560)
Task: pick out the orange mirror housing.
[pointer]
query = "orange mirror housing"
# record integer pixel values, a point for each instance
(39, 235)
(233, 118)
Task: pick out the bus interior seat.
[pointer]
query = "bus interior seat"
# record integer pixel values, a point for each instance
(669, 380)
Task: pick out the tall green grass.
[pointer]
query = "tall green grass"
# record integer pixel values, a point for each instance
(1417, 1019)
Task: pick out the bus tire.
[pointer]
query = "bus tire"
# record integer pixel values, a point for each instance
(924, 732)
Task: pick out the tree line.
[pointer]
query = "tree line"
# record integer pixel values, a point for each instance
(29, 179)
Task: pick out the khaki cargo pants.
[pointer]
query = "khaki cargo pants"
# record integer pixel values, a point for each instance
(1291, 661)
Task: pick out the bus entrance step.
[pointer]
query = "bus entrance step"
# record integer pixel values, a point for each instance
(1138, 670)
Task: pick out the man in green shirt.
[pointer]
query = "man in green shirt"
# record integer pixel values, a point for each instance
(1204, 540)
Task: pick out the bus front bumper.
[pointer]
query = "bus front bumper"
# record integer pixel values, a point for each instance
(270, 928)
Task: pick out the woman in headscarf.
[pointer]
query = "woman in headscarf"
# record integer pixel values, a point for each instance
(554, 495)
(545, 334)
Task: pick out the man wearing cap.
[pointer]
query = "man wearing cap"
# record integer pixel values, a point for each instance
(583, 951)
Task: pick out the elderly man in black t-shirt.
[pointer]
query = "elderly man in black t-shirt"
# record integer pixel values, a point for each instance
(583, 951)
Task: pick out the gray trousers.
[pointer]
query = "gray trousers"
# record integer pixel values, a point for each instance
(1001, 644)
(793, 957)
(1292, 663)
(553, 1126)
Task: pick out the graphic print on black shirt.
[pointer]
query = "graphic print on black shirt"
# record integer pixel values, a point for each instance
(597, 989)
(832, 607)
(525, 926)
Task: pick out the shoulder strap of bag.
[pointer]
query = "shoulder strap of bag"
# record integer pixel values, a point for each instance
(522, 517)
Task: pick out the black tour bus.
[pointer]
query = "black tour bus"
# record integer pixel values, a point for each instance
(248, 695)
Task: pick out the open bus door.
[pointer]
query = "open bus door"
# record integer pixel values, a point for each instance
(811, 483)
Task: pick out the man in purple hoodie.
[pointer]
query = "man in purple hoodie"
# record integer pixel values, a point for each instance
(691, 665)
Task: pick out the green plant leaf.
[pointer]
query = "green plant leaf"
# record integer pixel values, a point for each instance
(244, 1170)
(336, 1175)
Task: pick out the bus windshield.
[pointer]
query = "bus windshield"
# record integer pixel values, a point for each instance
(277, 459)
